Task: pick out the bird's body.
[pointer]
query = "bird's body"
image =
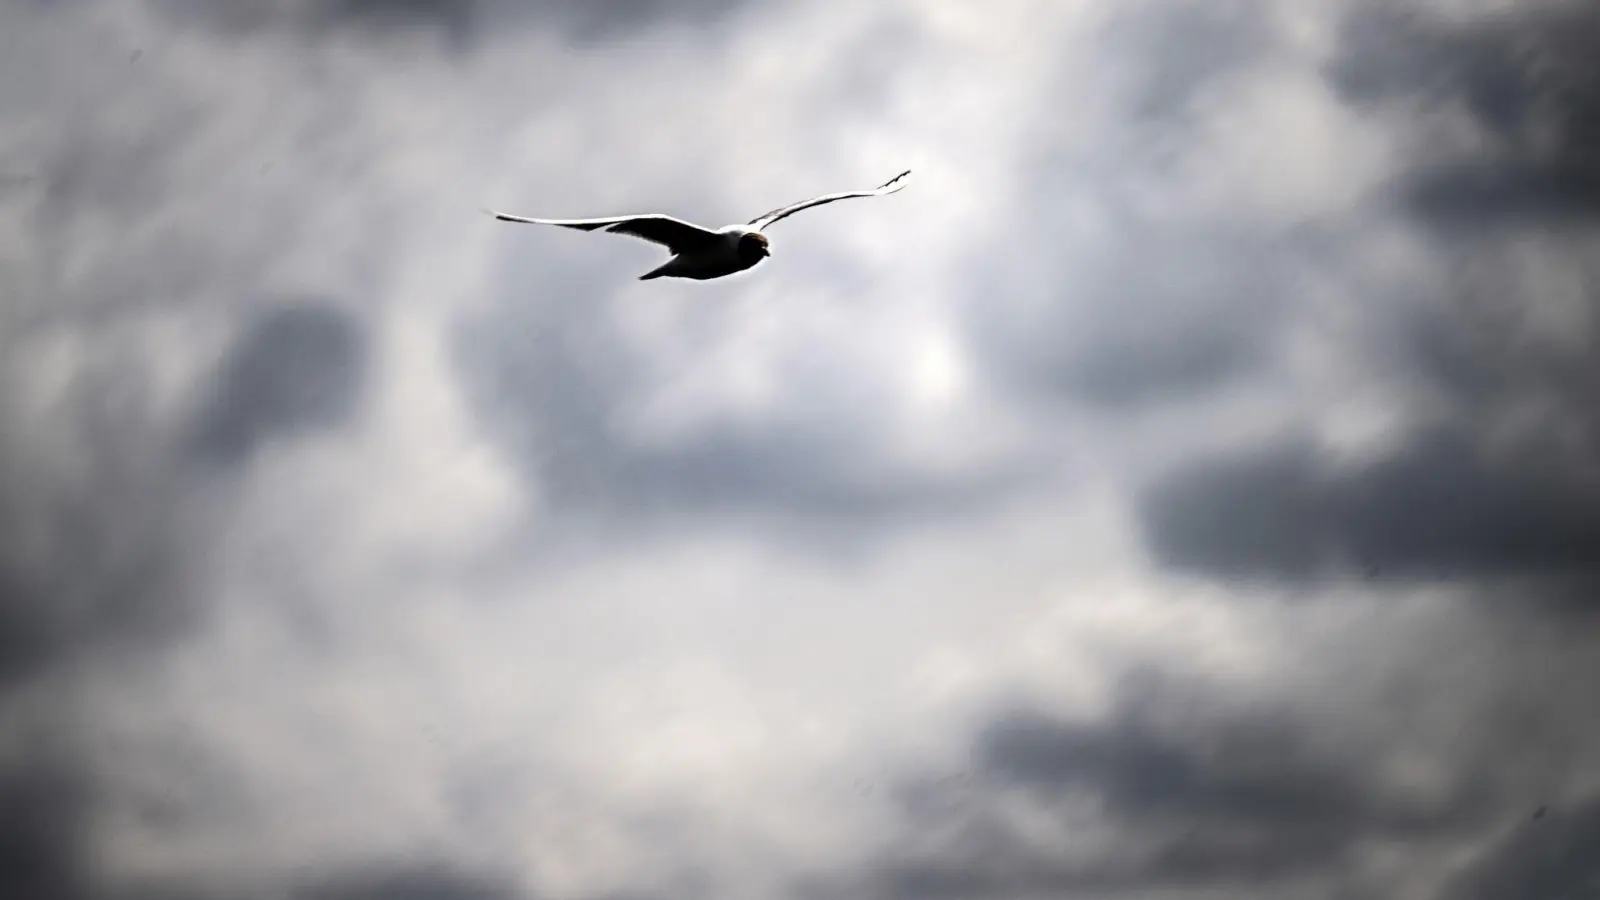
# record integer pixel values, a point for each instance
(701, 253)
(736, 248)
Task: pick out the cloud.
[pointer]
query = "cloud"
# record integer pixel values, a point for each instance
(1192, 316)
(1540, 859)
(339, 673)
(94, 548)
(42, 835)
(1437, 506)
(1177, 786)
(409, 883)
(558, 381)
(1530, 88)
(98, 551)
(462, 24)
(295, 368)
(1251, 768)
(1143, 267)
(1495, 346)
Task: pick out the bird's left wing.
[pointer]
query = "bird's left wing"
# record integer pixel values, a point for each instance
(888, 187)
(677, 235)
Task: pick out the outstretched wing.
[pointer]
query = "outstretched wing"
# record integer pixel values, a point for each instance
(888, 187)
(676, 235)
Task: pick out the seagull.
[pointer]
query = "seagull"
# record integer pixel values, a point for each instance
(701, 253)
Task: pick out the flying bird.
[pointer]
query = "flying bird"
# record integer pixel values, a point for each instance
(701, 253)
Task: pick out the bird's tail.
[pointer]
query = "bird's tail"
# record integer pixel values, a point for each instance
(657, 272)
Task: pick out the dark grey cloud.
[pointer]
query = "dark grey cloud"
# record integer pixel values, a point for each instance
(295, 368)
(95, 568)
(1254, 768)
(461, 23)
(1365, 772)
(1201, 792)
(1554, 855)
(88, 557)
(90, 170)
(1529, 81)
(99, 533)
(1440, 505)
(409, 882)
(43, 830)
(1501, 483)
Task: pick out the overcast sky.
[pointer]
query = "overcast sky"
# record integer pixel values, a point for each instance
(1188, 487)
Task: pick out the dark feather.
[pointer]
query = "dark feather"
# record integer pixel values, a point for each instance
(677, 235)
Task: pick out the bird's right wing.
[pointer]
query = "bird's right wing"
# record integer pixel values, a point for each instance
(896, 183)
(676, 235)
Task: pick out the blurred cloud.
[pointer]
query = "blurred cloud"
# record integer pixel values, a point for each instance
(296, 367)
(1529, 89)
(1498, 480)
(511, 587)
(418, 883)
(41, 840)
(1538, 859)
(1436, 508)
(557, 381)
(463, 23)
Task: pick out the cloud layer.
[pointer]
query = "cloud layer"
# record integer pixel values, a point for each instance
(1188, 485)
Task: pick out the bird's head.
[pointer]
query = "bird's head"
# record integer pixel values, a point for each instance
(753, 246)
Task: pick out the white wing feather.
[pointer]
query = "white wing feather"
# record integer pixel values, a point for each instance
(888, 187)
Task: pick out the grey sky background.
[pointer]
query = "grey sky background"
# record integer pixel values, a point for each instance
(1187, 487)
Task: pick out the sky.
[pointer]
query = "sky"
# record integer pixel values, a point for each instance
(1188, 487)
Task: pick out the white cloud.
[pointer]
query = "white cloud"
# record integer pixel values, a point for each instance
(418, 632)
